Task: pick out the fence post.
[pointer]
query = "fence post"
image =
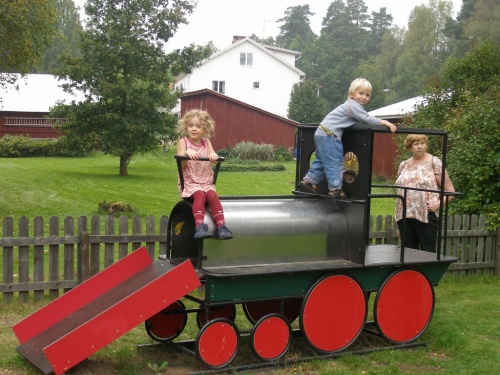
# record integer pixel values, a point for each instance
(83, 257)
(497, 253)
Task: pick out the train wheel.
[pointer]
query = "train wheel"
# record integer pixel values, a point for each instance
(404, 306)
(258, 309)
(223, 311)
(333, 314)
(271, 337)
(217, 343)
(168, 323)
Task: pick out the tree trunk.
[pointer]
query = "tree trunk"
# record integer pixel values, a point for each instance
(124, 160)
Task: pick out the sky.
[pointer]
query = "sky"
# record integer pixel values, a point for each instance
(219, 20)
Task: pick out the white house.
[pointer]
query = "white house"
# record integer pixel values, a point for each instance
(256, 74)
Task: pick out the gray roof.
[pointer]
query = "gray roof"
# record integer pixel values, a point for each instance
(35, 93)
(398, 110)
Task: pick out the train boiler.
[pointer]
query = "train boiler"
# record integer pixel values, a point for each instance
(304, 259)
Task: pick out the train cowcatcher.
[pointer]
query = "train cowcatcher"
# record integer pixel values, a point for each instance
(300, 267)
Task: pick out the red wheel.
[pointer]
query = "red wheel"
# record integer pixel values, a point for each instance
(271, 337)
(333, 314)
(223, 311)
(404, 306)
(290, 308)
(168, 323)
(217, 343)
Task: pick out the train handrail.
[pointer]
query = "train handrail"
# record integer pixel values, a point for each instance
(180, 158)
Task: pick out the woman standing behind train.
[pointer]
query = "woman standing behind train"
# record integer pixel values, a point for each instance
(422, 171)
(195, 128)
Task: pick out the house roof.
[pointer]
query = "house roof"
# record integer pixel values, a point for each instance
(400, 109)
(35, 93)
(264, 48)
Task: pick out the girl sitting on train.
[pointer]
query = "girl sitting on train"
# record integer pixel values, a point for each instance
(195, 129)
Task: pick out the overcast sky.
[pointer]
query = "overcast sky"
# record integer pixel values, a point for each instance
(219, 20)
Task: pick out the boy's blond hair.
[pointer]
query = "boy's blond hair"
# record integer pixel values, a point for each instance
(206, 121)
(360, 83)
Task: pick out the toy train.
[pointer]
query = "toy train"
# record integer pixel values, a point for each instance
(301, 256)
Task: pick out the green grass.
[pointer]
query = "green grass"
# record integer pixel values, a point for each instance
(75, 186)
(463, 338)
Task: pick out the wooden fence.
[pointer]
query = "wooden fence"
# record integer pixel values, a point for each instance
(35, 262)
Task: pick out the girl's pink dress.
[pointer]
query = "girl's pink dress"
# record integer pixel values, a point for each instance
(198, 175)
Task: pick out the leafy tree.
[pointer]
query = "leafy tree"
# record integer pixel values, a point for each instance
(67, 37)
(26, 27)
(425, 49)
(126, 75)
(306, 106)
(466, 103)
(484, 21)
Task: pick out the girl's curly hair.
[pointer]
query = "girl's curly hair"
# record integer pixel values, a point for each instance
(206, 121)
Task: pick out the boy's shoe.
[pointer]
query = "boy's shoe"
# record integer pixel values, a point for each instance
(309, 187)
(202, 231)
(224, 233)
(337, 193)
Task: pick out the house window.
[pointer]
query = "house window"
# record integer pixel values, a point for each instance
(219, 86)
(256, 85)
(246, 59)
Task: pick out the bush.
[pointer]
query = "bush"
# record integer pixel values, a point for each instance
(16, 146)
(252, 151)
(252, 168)
(249, 151)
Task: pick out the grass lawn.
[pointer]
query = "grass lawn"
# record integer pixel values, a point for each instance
(463, 338)
(75, 186)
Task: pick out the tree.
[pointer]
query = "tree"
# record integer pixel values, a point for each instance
(126, 75)
(484, 21)
(296, 33)
(67, 37)
(306, 106)
(425, 49)
(26, 28)
(466, 103)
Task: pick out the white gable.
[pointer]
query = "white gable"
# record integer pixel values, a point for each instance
(34, 93)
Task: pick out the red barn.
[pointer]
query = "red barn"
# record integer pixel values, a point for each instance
(24, 106)
(240, 122)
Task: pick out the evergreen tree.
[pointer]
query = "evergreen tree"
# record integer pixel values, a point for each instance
(296, 31)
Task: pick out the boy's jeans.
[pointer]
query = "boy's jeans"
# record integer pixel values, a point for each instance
(329, 162)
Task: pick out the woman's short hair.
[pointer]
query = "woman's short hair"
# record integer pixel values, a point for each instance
(360, 83)
(411, 138)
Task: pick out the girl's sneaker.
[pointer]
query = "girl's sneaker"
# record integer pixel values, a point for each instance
(224, 233)
(202, 231)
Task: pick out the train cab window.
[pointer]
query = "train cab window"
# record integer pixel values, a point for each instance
(351, 167)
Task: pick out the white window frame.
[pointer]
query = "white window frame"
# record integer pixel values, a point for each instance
(219, 86)
(246, 59)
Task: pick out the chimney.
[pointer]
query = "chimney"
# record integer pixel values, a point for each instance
(237, 38)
